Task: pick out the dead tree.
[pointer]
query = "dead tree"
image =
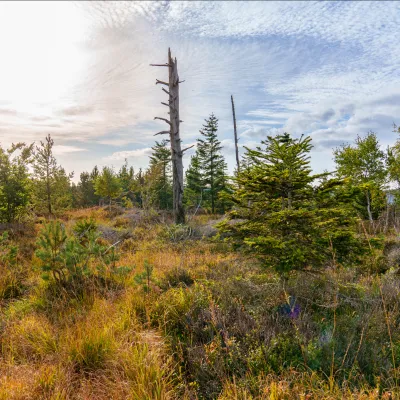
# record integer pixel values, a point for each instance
(174, 135)
(235, 133)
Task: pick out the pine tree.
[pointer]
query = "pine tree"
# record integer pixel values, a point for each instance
(212, 163)
(126, 176)
(138, 188)
(95, 173)
(194, 183)
(286, 218)
(108, 185)
(85, 192)
(224, 189)
(75, 259)
(160, 165)
(52, 183)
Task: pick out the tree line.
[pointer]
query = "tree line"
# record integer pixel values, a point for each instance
(33, 183)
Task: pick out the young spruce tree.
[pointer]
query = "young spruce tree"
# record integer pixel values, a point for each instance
(126, 176)
(213, 165)
(160, 165)
(85, 192)
(108, 185)
(194, 183)
(285, 217)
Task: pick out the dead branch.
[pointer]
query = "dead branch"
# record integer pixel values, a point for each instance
(166, 91)
(162, 133)
(163, 119)
(187, 148)
(119, 241)
(159, 65)
(161, 82)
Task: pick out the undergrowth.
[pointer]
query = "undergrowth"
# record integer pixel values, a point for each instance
(144, 310)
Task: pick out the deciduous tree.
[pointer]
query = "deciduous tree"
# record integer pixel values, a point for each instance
(15, 188)
(364, 166)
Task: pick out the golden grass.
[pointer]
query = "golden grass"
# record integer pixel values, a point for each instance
(299, 386)
(106, 347)
(31, 338)
(105, 354)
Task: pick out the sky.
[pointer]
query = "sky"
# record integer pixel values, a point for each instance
(80, 72)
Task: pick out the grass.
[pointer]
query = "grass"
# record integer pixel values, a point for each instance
(193, 320)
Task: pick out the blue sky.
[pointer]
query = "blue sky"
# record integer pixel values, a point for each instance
(80, 71)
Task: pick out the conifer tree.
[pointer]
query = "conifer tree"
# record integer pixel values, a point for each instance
(86, 188)
(212, 163)
(126, 176)
(95, 173)
(138, 188)
(52, 183)
(194, 186)
(108, 185)
(160, 165)
(286, 218)
(85, 192)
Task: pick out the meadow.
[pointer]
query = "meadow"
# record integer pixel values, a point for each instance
(176, 314)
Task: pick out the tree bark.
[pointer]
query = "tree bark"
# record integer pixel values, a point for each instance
(369, 208)
(174, 133)
(48, 190)
(235, 135)
(387, 214)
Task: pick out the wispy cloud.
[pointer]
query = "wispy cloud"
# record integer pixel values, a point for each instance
(327, 69)
(62, 149)
(129, 154)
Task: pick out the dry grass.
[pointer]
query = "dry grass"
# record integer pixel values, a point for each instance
(299, 386)
(118, 345)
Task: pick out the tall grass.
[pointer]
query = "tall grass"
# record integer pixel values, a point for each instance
(205, 324)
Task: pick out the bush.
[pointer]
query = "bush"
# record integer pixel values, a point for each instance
(75, 261)
(12, 272)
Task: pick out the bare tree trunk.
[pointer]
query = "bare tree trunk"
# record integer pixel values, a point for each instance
(174, 134)
(48, 192)
(235, 134)
(176, 151)
(387, 218)
(371, 220)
